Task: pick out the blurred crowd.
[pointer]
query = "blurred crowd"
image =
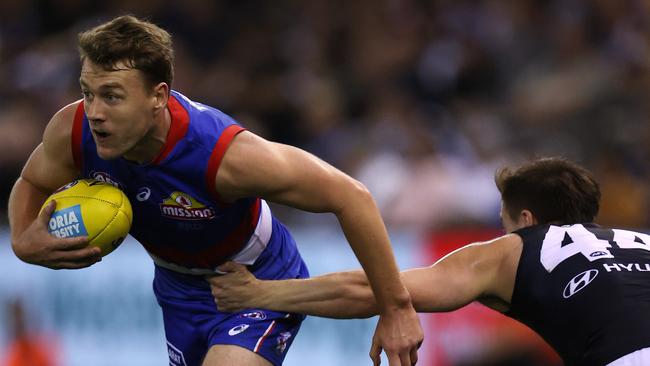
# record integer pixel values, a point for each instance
(419, 99)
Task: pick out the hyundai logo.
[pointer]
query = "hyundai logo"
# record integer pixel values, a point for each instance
(579, 282)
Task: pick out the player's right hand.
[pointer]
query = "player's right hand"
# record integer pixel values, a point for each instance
(37, 246)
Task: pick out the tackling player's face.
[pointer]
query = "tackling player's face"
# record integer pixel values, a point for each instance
(121, 109)
(509, 225)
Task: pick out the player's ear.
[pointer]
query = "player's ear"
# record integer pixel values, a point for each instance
(161, 95)
(526, 218)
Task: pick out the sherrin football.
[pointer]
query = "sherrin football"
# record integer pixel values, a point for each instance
(91, 208)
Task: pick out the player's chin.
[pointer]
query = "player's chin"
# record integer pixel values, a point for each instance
(106, 153)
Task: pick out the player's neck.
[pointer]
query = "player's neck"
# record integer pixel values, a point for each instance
(153, 142)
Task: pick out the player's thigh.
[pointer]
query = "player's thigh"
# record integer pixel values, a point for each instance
(225, 354)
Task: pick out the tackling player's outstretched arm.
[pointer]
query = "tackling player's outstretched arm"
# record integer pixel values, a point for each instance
(49, 167)
(283, 174)
(481, 271)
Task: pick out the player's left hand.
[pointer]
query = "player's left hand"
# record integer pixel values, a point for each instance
(400, 335)
(236, 289)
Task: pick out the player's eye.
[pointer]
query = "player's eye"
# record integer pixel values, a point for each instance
(86, 94)
(112, 98)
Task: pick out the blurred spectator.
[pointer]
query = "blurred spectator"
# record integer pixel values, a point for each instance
(27, 347)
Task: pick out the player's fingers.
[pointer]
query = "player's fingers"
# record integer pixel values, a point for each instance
(375, 353)
(74, 243)
(44, 216)
(394, 359)
(414, 355)
(231, 267)
(216, 283)
(211, 279)
(404, 359)
(215, 289)
(71, 265)
(74, 264)
(81, 255)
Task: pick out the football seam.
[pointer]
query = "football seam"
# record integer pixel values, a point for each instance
(118, 209)
(93, 198)
(106, 227)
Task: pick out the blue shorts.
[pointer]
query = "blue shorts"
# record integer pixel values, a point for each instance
(193, 324)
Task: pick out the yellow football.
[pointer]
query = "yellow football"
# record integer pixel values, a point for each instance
(91, 208)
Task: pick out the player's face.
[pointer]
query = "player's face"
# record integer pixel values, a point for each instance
(509, 225)
(121, 111)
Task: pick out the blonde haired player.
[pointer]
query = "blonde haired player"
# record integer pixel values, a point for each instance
(197, 182)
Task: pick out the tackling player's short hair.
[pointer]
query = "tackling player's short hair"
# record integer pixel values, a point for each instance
(138, 44)
(555, 190)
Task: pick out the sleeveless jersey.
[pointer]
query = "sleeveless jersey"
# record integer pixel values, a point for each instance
(178, 216)
(585, 289)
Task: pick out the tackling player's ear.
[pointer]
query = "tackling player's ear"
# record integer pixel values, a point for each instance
(526, 218)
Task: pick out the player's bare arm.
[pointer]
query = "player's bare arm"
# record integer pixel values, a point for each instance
(283, 174)
(481, 271)
(341, 295)
(49, 167)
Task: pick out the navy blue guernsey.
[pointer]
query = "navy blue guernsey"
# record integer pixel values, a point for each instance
(585, 290)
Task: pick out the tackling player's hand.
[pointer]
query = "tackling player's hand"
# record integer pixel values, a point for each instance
(236, 289)
(400, 335)
(37, 246)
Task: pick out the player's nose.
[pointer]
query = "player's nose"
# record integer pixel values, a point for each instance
(94, 112)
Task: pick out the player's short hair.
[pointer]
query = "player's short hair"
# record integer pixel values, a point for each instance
(555, 190)
(139, 44)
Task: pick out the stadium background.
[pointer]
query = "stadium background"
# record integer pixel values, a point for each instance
(420, 100)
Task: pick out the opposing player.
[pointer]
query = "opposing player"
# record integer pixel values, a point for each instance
(583, 288)
(198, 182)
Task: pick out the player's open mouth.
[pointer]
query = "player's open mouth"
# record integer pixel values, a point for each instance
(101, 135)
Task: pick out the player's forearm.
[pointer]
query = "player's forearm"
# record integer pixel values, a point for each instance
(25, 201)
(340, 295)
(366, 233)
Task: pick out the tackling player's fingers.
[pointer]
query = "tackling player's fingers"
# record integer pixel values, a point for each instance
(215, 283)
(215, 291)
(375, 353)
(231, 267)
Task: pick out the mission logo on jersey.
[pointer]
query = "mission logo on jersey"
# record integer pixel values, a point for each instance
(182, 206)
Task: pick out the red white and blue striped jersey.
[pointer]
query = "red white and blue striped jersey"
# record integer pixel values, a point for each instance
(178, 216)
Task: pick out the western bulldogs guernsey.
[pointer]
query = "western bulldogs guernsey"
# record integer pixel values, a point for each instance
(585, 289)
(188, 232)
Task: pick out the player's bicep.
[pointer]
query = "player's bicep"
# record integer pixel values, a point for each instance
(436, 289)
(456, 280)
(280, 173)
(47, 173)
(51, 164)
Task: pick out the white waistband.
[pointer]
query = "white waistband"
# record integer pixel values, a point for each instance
(248, 255)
